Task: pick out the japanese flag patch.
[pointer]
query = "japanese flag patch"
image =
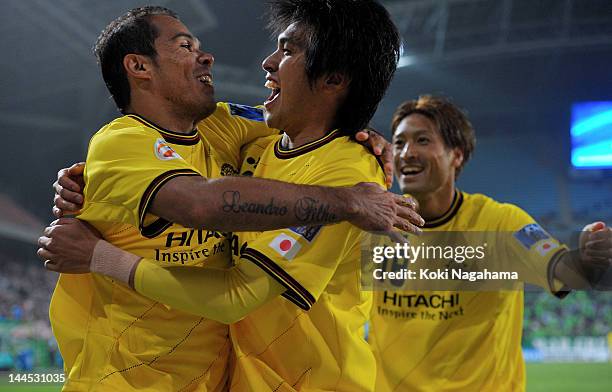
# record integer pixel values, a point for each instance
(164, 152)
(285, 246)
(546, 246)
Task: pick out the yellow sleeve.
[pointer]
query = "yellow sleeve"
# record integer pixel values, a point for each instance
(228, 295)
(224, 295)
(297, 263)
(304, 259)
(125, 167)
(533, 249)
(231, 127)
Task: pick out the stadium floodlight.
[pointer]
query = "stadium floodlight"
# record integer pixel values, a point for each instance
(591, 135)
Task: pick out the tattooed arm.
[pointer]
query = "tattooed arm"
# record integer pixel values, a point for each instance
(253, 204)
(249, 204)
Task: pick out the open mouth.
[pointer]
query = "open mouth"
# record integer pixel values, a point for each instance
(206, 79)
(274, 93)
(411, 170)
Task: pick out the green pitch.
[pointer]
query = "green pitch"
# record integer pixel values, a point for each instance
(569, 377)
(5, 386)
(541, 377)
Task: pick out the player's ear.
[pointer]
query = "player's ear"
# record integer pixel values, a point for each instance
(457, 157)
(137, 66)
(336, 81)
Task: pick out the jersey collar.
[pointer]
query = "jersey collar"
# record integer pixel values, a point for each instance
(449, 214)
(188, 139)
(286, 153)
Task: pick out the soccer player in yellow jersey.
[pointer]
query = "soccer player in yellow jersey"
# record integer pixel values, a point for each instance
(466, 340)
(293, 295)
(150, 190)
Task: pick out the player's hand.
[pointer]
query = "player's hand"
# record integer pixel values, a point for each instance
(67, 245)
(376, 209)
(596, 255)
(596, 244)
(68, 188)
(380, 147)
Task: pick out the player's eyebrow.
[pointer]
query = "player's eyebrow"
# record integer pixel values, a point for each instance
(407, 133)
(186, 35)
(283, 39)
(183, 35)
(420, 132)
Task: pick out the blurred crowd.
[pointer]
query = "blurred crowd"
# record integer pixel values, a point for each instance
(582, 313)
(25, 290)
(26, 339)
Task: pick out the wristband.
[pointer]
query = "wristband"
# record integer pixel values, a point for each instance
(113, 262)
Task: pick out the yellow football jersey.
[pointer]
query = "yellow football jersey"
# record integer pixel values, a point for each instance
(461, 340)
(231, 127)
(312, 339)
(110, 336)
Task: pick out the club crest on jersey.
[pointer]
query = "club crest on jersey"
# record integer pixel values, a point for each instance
(531, 234)
(285, 246)
(163, 150)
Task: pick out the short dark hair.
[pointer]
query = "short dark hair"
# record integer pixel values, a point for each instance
(132, 32)
(450, 119)
(353, 37)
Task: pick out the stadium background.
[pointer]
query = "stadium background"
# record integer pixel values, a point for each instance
(515, 65)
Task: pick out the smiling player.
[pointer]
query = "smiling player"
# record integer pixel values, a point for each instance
(472, 340)
(148, 183)
(296, 290)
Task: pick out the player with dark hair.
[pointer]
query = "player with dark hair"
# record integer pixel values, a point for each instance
(314, 268)
(132, 33)
(330, 26)
(148, 182)
(470, 341)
